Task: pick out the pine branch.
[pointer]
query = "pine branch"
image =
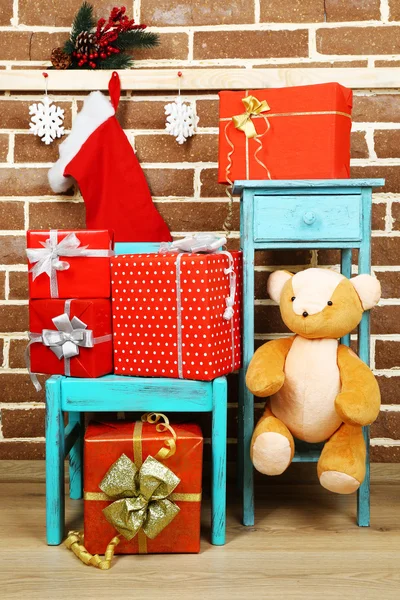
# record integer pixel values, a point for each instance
(116, 61)
(138, 38)
(83, 21)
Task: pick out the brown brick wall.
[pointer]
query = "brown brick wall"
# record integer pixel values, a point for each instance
(183, 179)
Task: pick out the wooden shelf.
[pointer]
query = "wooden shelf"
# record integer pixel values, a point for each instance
(199, 79)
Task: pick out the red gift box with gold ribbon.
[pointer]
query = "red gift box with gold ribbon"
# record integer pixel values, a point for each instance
(142, 483)
(287, 133)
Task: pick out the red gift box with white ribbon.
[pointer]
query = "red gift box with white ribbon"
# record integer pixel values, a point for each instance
(177, 314)
(70, 337)
(69, 264)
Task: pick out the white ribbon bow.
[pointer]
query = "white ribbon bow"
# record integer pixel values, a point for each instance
(199, 242)
(70, 334)
(47, 259)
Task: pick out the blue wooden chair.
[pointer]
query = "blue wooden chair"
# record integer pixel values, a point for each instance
(276, 215)
(73, 397)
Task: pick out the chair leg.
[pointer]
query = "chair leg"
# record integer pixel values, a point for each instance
(76, 458)
(247, 416)
(218, 449)
(363, 494)
(240, 452)
(55, 499)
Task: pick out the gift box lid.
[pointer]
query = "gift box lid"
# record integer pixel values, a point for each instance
(95, 239)
(106, 431)
(308, 98)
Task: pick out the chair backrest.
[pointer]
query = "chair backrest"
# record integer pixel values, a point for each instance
(136, 247)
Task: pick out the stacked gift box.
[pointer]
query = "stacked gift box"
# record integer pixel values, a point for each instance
(174, 314)
(177, 314)
(69, 302)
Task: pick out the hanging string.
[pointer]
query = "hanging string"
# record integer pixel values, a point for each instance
(45, 75)
(179, 82)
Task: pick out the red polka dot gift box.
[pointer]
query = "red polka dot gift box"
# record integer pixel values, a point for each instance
(177, 315)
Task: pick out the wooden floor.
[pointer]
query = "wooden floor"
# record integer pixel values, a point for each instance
(305, 545)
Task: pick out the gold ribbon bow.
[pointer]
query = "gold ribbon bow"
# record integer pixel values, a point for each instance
(141, 496)
(253, 107)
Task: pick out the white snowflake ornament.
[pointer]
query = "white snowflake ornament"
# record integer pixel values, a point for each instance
(181, 120)
(47, 120)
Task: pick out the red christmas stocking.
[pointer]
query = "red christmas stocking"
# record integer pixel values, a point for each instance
(98, 155)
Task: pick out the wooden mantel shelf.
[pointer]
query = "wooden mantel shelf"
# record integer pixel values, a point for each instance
(199, 79)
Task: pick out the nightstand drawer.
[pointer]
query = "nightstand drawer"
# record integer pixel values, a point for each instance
(307, 218)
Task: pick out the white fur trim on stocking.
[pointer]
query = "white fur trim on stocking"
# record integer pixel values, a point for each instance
(97, 109)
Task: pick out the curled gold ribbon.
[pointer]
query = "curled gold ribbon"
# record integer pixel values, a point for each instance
(75, 541)
(170, 444)
(244, 122)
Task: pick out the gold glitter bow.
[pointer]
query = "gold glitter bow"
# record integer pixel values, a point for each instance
(141, 497)
(244, 121)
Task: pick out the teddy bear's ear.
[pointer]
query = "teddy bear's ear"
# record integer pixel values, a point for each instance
(368, 289)
(275, 284)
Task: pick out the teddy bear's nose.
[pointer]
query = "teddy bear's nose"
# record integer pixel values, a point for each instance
(305, 314)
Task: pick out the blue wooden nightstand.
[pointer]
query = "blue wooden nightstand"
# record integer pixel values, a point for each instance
(313, 214)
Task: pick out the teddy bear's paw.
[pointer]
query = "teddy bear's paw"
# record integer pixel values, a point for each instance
(338, 482)
(271, 453)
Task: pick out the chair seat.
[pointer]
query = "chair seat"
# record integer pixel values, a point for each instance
(121, 393)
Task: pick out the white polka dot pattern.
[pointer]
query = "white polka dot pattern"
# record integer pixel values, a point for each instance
(144, 300)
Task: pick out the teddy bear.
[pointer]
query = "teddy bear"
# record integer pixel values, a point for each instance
(318, 390)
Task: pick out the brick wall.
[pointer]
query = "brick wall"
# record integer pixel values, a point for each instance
(241, 33)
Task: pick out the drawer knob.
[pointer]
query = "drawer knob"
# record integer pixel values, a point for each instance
(309, 218)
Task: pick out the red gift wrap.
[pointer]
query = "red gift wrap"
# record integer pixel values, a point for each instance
(286, 133)
(105, 443)
(93, 354)
(82, 272)
(168, 315)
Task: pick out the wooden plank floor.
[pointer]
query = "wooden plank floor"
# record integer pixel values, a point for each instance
(305, 545)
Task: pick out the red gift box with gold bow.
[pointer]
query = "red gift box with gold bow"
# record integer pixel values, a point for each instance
(142, 483)
(287, 133)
